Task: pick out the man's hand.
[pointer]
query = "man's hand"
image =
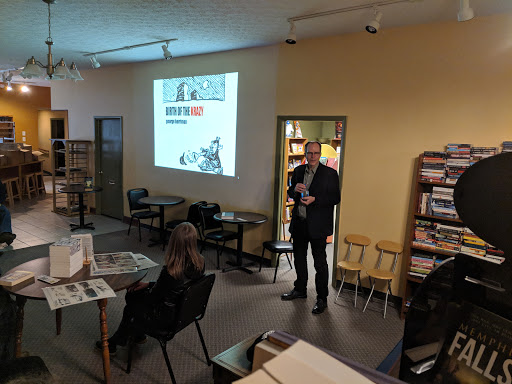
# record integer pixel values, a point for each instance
(299, 187)
(306, 200)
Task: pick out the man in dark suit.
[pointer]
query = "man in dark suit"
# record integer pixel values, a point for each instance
(315, 189)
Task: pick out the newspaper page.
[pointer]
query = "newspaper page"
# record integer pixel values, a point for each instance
(144, 262)
(76, 293)
(113, 263)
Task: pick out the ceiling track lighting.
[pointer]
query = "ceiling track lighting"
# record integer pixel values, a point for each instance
(165, 48)
(292, 36)
(374, 25)
(59, 71)
(373, 5)
(465, 12)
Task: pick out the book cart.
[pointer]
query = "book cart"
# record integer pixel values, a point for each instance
(70, 165)
(294, 155)
(7, 129)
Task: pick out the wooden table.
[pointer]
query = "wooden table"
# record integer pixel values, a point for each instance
(161, 202)
(80, 189)
(240, 218)
(33, 291)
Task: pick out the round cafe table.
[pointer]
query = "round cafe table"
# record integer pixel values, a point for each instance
(31, 289)
(161, 202)
(240, 219)
(80, 189)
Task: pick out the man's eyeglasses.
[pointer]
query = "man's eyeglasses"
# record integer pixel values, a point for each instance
(313, 153)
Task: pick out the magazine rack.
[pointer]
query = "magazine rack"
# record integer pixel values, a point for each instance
(459, 325)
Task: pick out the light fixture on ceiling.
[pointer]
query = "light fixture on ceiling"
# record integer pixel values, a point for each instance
(24, 89)
(465, 12)
(9, 86)
(59, 71)
(94, 62)
(165, 48)
(341, 10)
(292, 37)
(374, 25)
(167, 53)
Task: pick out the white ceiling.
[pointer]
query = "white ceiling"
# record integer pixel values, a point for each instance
(201, 26)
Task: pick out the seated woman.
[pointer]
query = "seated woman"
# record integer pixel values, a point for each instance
(154, 304)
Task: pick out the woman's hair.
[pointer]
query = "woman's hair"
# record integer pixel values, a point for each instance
(182, 249)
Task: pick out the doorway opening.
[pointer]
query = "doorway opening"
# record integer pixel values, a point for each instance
(58, 131)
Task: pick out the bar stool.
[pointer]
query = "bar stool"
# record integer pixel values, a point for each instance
(390, 247)
(357, 266)
(30, 185)
(40, 182)
(12, 186)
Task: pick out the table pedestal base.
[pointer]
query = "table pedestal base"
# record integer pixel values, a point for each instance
(74, 227)
(235, 267)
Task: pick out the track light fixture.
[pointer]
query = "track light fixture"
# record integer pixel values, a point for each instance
(9, 86)
(465, 12)
(94, 62)
(167, 54)
(374, 25)
(292, 37)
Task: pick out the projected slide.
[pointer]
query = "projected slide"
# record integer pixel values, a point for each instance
(195, 123)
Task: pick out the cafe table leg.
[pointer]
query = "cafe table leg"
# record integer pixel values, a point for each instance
(20, 314)
(102, 305)
(238, 265)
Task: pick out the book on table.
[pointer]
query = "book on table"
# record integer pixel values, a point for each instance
(66, 257)
(15, 277)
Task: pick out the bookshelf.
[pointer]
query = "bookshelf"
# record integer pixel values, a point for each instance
(7, 129)
(70, 164)
(294, 155)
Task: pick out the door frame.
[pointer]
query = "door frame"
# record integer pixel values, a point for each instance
(279, 171)
(97, 157)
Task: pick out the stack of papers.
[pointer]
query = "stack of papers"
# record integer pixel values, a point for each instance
(66, 257)
(86, 245)
(119, 262)
(76, 293)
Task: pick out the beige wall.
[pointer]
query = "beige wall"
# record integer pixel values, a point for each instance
(128, 91)
(403, 91)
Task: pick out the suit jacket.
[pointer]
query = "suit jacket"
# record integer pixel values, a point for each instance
(325, 187)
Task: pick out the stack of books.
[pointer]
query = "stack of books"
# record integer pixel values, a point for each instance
(421, 265)
(458, 160)
(479, 153)
(425, 234)
(506, 146)
(442, 203)
(66, 257)
(494, 253)
(472, 244)
(448, 238)
(433, 166)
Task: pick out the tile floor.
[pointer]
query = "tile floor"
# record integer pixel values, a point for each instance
(34, 223)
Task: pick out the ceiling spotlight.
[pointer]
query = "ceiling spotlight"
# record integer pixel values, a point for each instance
(24, 89)
(374, 25)
(292, 37)
(9, 86)
(94, 62)
(167, 53)
(465, 12)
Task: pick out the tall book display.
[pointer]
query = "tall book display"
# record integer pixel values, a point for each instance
(294, 156)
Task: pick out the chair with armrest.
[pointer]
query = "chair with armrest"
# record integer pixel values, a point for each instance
(191, 309)
(142, 211)
(381, 274)
(193, 217)
(357, 266)
(280, 247)
(216, 229)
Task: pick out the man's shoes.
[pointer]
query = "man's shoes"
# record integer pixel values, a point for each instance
(7, 237)
(293, 295)
(112, 348)
(319, 307)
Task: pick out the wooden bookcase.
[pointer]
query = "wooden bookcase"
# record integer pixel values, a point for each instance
(411, 282)
(291, 144)
(7, 129)
(70, 164)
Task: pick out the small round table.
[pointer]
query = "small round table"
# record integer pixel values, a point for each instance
(80, 189)
(240, 218)
(161, 202)
(33, 291)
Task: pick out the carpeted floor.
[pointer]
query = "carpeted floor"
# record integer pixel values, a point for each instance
(240, 306)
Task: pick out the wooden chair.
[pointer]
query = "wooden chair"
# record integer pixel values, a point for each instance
(379, 274)
(357, 266)
(280, 247)
(191, 309)
(13, 188)
(29, 185)
(39, 176)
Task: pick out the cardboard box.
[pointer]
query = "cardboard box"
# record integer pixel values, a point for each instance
(263, 352)
(13, 157)
(3, 160)
(29, 147)
(258, 377)
(27, 155)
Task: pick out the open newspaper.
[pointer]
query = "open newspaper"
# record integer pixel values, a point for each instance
(76, 293)
(119, 262)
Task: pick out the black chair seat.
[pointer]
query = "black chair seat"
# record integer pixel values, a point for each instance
(174, 223)
(145, 214)
(220, 235)
(279, 246)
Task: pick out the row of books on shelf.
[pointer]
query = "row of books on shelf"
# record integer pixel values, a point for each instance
(434, 236)
(292, 163)
(422, 264)
(447, 166)
(296, 149)
(438, 203)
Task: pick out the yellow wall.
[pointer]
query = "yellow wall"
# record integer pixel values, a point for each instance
(24, 108)
(403, 91)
